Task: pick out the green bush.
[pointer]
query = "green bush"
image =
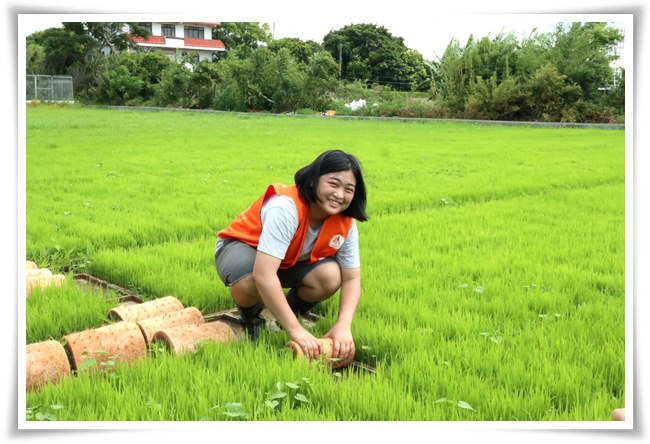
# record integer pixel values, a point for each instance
(123, 86)
(173, 87)
(584, 111)
(228, 98)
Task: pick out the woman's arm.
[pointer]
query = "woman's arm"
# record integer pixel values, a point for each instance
(341, 332)
(270, 289)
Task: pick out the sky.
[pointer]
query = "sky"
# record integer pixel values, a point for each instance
(429, 36)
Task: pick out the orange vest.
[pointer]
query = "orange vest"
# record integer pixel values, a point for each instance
(247, 227)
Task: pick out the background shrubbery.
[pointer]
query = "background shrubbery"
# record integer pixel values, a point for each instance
(563, 76)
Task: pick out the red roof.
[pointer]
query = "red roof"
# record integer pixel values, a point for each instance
(153, 40)
(187, 42)
(204, 43)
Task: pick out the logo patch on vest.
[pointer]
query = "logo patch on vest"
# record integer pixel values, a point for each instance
(336, 241)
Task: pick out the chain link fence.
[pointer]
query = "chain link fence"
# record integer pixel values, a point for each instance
(49, 88)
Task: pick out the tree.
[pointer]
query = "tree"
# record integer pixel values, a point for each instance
(320, 79)
(583, 52)
(286, 81)
(76, 50)
(491, 57)
(173, 87)
(532, 54)
(245, 81)
(123, 86)
(148, 66)
(35, 58)
(615, 95)
(203, 82)
(371, 53)
(450, 82)
(299, 49)
(63, 49)
(565, 75)
(551, 94)
(115, 36)
(265, 80)
(492, 100)
(242, 37)
(418, 71)
(135, 69)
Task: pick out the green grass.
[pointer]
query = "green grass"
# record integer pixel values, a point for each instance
(493, 265)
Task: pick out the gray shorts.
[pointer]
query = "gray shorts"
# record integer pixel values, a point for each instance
(235, 261)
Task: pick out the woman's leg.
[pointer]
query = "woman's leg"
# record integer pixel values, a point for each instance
(310, 284)
(234, 263)
(319, 284)
(249, 306)
(244, 292)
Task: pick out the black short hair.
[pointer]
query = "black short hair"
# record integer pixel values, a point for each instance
(333, 161)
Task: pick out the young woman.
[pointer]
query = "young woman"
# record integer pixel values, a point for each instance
(302, 237)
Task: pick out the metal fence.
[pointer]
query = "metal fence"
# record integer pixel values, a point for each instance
(49, 88)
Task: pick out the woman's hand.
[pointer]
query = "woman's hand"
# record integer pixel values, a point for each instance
(342, 344)
(306, 341)
(341, 332)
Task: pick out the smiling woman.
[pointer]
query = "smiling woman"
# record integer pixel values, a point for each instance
(302, 237)
(335, 193)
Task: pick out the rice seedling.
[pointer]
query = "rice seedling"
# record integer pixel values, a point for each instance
(493, 265)
(53, 312)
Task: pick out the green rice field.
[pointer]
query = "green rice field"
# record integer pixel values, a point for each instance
(493, 265)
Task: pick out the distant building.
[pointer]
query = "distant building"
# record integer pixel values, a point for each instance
(179, 39)
(618, 65)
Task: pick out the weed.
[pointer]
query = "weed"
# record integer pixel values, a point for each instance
(460, 404)
(494, 337)
(234, 410)
(106, 364)
(158, 348)
(63, 260)
(291, 394)
(547, 317)
(42, 412)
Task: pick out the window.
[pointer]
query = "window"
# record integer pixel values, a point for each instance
(168, 30)
(194, 32)
(147, 26)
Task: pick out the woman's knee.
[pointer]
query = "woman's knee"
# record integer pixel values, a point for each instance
(325, 278)
(244, 292)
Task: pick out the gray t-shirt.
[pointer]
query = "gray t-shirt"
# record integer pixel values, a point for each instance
(279, 224)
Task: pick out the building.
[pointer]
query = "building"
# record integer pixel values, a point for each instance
(181, 39)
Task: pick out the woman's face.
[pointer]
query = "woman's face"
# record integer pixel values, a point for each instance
(335, 191)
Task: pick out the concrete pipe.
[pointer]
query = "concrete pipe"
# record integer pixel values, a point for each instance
(32, 272)
(42, 281)
(145, 310)
(184, 338)
(121, 341)
(46, 362)
(618, 414)
(177, 318)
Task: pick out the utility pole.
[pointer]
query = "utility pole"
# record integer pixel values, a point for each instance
(340, 60)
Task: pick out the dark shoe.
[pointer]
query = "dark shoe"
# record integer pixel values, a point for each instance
(297, 305)
(252, 320)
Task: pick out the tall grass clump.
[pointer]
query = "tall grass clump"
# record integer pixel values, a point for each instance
(53, 312)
